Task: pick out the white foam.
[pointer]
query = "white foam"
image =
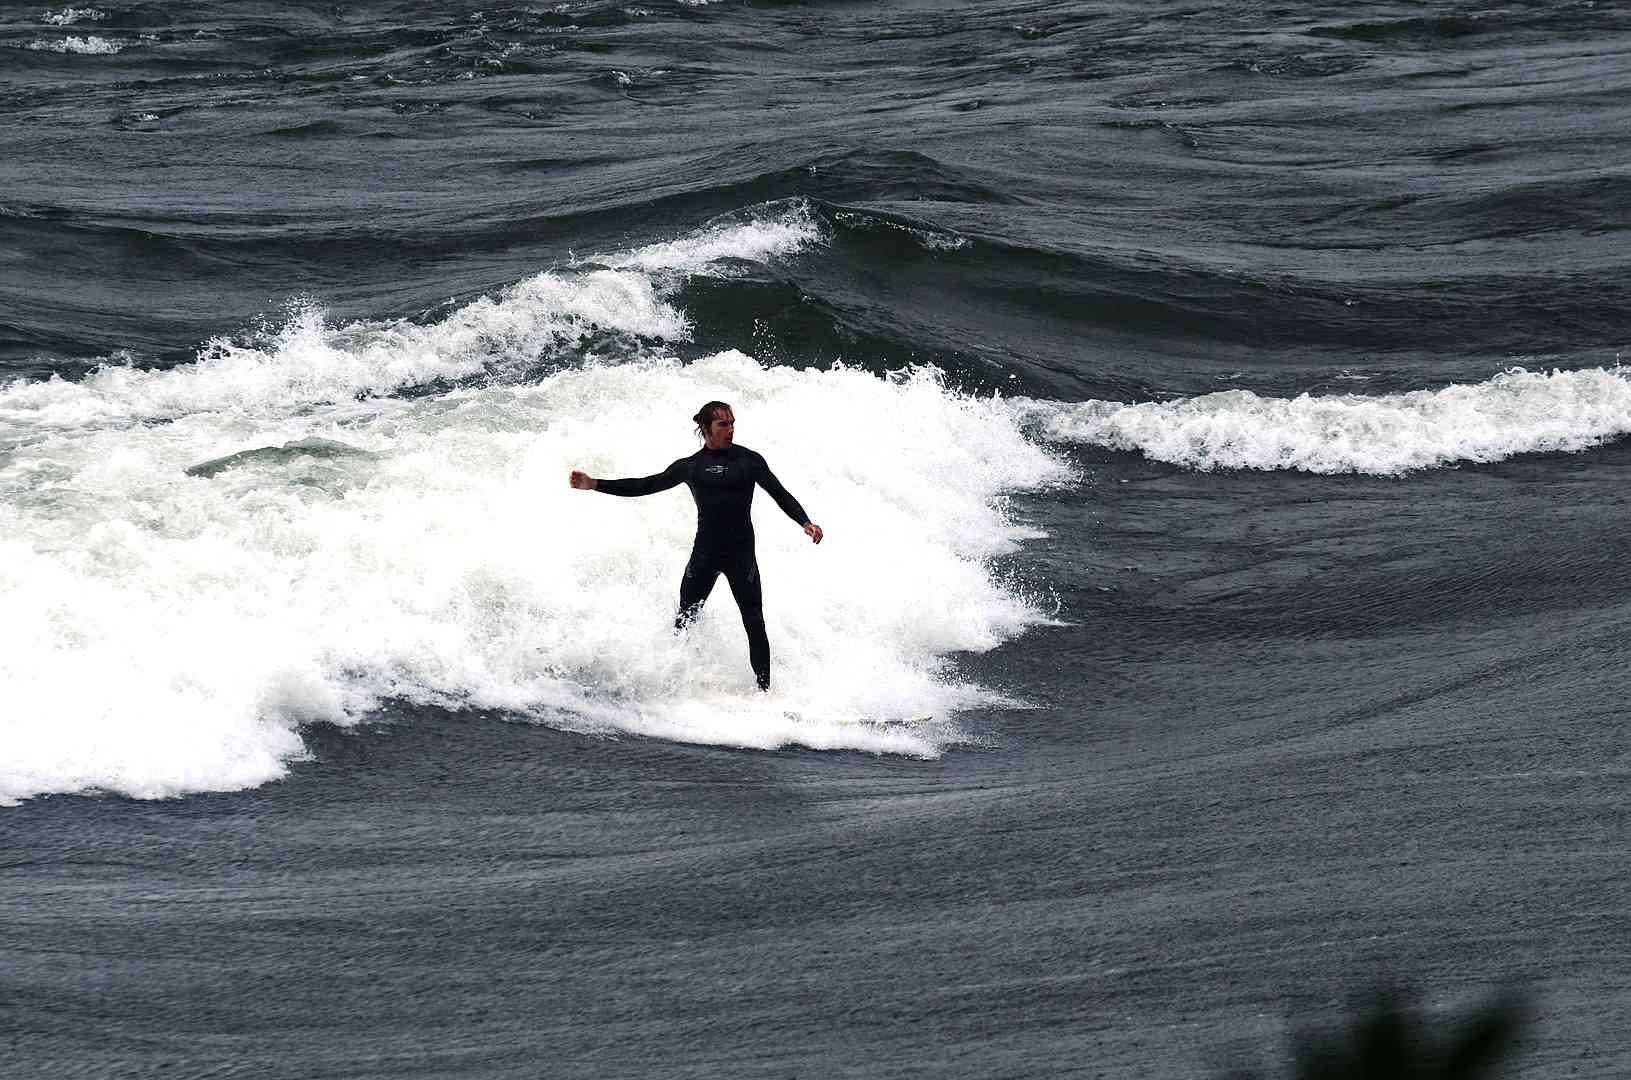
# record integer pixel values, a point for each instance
(791, 230)
(70, 15)
(310, 363)
(1515, 412)
(90, 45)
(169, 633)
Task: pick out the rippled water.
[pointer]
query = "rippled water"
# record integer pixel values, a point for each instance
(1214, 411)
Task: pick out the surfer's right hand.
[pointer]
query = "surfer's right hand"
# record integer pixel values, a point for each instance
(582, 481)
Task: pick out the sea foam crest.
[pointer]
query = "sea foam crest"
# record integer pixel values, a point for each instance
(89, 45)
(70, 15)
(755, 240)
(307, 361)
(1515, 412)
(182, 596)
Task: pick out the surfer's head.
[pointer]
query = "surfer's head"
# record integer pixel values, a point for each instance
(716, 423)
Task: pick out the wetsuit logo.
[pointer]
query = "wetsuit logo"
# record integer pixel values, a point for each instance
(716, 469)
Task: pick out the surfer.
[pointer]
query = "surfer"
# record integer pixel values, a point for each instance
(721, 477)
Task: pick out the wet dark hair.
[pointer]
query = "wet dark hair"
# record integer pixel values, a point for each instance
(707, 415)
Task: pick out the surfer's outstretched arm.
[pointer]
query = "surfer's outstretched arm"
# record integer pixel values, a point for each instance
(790, 506)
(644, 485)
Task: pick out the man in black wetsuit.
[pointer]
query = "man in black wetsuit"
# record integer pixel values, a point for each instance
(721, 477)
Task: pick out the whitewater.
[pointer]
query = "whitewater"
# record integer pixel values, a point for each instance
(201, 560)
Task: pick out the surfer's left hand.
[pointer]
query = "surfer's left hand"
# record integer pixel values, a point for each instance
(813, 531)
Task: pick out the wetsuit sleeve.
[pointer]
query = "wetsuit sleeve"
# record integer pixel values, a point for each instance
(790, 506)
(645, 485)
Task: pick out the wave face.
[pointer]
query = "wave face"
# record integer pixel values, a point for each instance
(293, 532)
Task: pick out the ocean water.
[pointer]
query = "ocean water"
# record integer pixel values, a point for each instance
(1216, 416)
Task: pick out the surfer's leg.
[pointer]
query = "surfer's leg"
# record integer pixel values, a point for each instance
(743, 575)
(700, 574)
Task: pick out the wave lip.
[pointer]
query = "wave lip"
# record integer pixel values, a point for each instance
(307, 362)
(790, 229)
(1515, 412)
(626, 294)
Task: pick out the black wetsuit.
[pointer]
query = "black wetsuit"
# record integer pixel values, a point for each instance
(721, 482)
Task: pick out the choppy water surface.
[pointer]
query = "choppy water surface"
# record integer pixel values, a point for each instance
(1215, 414)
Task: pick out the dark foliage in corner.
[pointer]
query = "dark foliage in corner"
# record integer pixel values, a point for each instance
(1389, 1038)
